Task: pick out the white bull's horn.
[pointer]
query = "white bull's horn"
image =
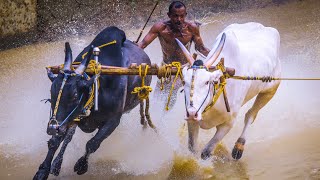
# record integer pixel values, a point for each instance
(185, 52)
(68, 57)
(214, 54)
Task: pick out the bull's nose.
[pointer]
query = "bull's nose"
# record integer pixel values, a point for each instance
(192, 113)
(54, 129)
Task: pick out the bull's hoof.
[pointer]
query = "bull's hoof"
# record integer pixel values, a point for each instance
(81, 166)
(205, 154)
(41, 174)
(56, 166)
(238, 149)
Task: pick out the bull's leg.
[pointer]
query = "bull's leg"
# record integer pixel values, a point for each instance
(193, 131)
(44, 169)
(93, 144)
(261, 100)
(222, 130)
(56, 165)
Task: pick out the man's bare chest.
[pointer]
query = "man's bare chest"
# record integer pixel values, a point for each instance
(168, 36)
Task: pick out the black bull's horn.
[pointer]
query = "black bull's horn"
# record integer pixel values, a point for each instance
(84, 63)
(68, 57)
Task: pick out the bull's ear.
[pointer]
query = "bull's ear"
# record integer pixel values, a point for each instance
(215, 75)
(124, 38)
(51, 76)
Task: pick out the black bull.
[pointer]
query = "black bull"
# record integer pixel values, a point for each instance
(115, 98)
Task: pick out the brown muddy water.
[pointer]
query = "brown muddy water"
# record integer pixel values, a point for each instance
(283, 143)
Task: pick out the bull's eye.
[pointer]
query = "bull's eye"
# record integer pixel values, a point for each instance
(207, 82)
(75, 96)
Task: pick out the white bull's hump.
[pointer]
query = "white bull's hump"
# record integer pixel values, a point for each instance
(256, 44)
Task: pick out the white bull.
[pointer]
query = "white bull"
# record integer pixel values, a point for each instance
(253, 50)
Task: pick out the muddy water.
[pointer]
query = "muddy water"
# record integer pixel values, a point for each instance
(283, 143)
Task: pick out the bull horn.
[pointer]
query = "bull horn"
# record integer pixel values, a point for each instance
(214, 54)
(84, 63)
(185, 52)
(68, 57)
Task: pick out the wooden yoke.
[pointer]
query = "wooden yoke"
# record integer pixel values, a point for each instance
(133, 69)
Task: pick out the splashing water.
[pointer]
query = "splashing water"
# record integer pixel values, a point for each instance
(284, 140)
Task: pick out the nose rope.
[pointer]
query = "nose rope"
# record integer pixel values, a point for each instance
(185, 103)
(65, 120)
(214, 92)
(192, 92)
(54, 114)
(59, 97)
(53, 123)
(194, 68)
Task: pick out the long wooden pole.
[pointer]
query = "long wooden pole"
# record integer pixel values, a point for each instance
(132, 70)
(147, 21)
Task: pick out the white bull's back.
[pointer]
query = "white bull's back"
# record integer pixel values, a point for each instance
(253, 50)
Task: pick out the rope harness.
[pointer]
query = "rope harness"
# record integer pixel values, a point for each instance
(164, 73)
(143, 94)
(86, 110)
(220, 88)
(217, 88)
(165, 76)
(101, 46)
(192, 89)
(53, 123)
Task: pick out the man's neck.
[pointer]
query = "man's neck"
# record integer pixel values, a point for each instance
(175, 29)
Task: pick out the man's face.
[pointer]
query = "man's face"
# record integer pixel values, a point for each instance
(177, 16)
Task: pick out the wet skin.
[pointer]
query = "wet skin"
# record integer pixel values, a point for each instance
(176, 27)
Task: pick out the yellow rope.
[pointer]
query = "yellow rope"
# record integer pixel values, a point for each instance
(96, 68)
(164, 74)
(269, 78)
(216, 96)
(221, 86)
(179, 74)
(101, 46)
(143, 91)
(59, 96)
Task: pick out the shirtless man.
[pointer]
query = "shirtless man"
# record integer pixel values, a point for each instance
(176, 27)
(167, 31)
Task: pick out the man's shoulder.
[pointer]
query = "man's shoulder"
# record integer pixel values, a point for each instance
(160, 25)
(193, 26)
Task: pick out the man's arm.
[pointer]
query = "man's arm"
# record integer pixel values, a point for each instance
(199, 46)
(152, 34)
